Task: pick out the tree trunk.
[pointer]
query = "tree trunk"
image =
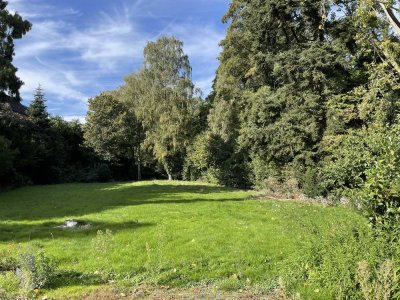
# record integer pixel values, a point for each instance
(132, 161)
(391, 17)
(139, 158)
(167, 170)
(139, 171)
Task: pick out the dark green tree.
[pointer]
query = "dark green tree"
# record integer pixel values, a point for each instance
(7, 171)
(37, 110)
(363, 124)
(46, 165)
(282, 61)
(12, 27)
(110, 129)
(77, 162)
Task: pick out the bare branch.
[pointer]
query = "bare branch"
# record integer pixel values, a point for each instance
(392, 17)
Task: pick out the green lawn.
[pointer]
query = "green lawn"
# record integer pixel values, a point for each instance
(178, 234)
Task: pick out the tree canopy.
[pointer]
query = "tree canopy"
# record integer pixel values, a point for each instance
(302, 94)
(12, 27)
(163, 97)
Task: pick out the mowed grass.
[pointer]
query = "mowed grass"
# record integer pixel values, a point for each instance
(178, 234)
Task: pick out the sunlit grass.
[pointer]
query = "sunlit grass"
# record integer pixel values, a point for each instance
(165, 233)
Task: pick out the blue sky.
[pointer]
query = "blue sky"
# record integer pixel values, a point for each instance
(78, 48)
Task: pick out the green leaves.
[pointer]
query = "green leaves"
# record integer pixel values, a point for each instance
(12, 27)
(110, 127)
(37, 110)
(380, 193)
(164, 99)
(278, 71)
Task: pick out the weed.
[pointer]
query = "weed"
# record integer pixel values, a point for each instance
(35, 270)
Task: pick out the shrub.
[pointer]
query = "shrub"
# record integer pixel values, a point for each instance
(378, 285)
(262, 171)
(7, 172)
(346, 263)
(379, 194)
(365, 167)
(9, 283)
(103, 241)
(7, 262)
(99, 173)
(346, 163)
(310, 183)
(213, 159)
(103, 173)
(230, 284)
(35, 269)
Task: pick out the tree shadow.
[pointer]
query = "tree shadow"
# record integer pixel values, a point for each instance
(74, 200)
(52, 231)
(74, 278)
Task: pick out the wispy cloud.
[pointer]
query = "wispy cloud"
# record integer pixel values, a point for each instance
(81, 119)
(39, 9)
(75, 55)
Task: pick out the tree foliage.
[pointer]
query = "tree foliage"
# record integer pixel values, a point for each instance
(163, 96)
(37, 110)
(281, 63)
(306, 93)
(41, 149)
(12, 27)
(108, 128)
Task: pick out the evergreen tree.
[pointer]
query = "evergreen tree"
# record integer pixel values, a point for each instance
(37, 110)
(282, 61)
(369, 112)
(12, 27)
(48, 156)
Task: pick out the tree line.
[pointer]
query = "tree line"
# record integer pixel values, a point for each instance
(306, 94)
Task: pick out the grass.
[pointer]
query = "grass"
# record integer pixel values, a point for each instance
(175, 234)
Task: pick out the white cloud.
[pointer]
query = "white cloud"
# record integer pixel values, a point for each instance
(74, 62)
(53, 83)
(201, 43)
(81, 119)
(205, 84)
(38, 9)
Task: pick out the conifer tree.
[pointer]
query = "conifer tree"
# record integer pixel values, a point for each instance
(281, 63)
(37, 110)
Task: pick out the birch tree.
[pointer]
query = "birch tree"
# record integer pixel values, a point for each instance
(165, 99)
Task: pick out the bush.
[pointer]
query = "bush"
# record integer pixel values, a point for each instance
(310, 183)
(212, 159)
(9, 282)
(103, 241)
(346, 163)
(378, 284)
(200, 158)
(35, 269)
(346, 263)
(23, 271)
(365, 168)
(262, 171)
(103, 173)
(100, 173)
(379, 195)
(7, 172)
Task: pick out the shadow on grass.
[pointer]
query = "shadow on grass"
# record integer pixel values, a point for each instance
(73, 278)
(50, 230)
(73, 200)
